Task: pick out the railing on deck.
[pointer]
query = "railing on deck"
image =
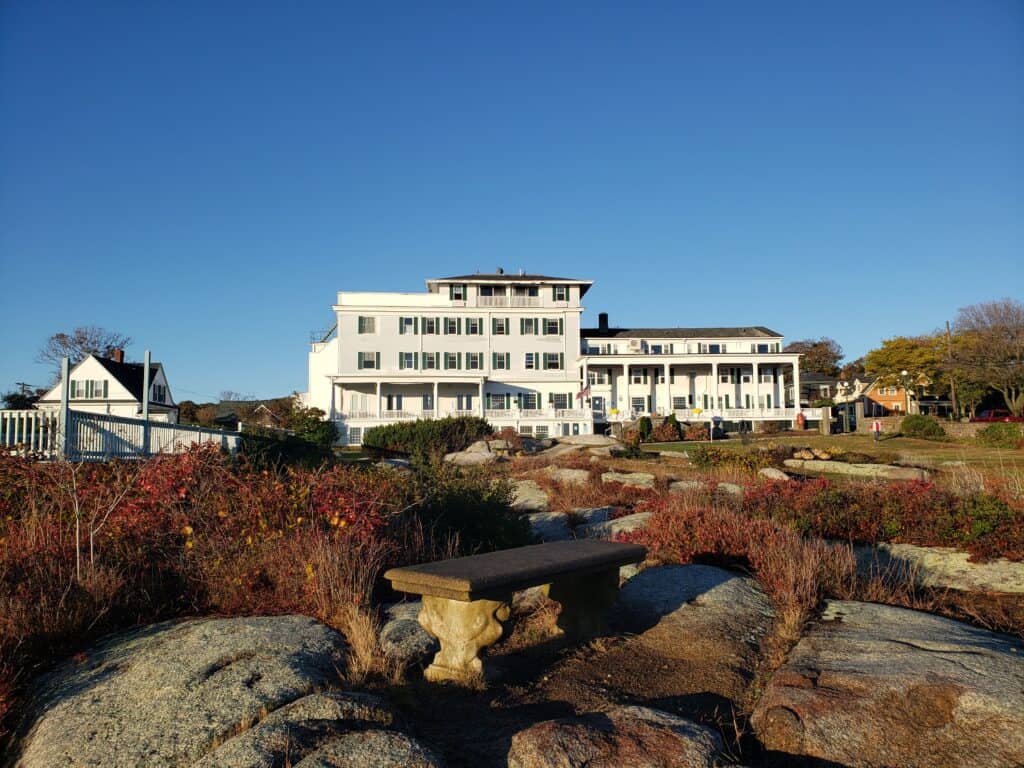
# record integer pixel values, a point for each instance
(99, 436)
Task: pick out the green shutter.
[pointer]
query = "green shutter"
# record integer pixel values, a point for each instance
(561, 326)
(359, 361)
(376, 360)
(401, 361)
(554, 293)
(401, 325)
(416, 360)
(458, 359)
(104, 389)
(458, 326)
(508, 360)
(451, 292)
(561, 361)
(522, 326)
(494, 359)
(481, 326)
(416, 325)
(536, 326)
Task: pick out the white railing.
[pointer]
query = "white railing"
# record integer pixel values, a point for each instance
(499, 413)
(29, 432)
(508, 301)
(400, 415)
(568, 413)
(99, 437)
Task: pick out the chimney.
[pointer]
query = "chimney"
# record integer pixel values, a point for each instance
(117, 355)
(602, 321)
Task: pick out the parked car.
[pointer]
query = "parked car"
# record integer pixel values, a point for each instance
(997, 414)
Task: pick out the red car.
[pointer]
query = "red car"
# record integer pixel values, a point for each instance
(997, 415)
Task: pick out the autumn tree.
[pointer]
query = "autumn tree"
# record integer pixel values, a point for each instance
(989, 348)
(922, 357)
(818, 355)
(853, 370)
(79, 344)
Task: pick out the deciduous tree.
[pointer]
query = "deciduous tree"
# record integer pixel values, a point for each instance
(989, 348)
(922, 357)
(80, 343)
(819, 355)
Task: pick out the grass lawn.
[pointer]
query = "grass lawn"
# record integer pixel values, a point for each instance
(906, 450)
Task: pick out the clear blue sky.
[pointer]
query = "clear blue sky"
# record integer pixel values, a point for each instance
(205, 175)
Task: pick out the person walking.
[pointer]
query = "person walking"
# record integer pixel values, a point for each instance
(876, 427)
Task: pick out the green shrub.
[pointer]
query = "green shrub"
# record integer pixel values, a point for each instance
(426, 438)
(470, 504)
(919, 425)
(645, 427)
(1001, 435)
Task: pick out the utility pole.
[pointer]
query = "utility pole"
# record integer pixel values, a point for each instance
(952, 372)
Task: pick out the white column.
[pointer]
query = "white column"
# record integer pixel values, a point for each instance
(480, 408)
(714, 382)
(755, 381)
(668, 388)
(796, 387)
(782, 388)
(628, 406)
(380, 404)
(437, 404)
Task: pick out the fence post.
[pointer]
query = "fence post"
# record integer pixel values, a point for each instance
(145, 404)
(62, 418)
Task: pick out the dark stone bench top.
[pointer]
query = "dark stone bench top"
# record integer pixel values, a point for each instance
(509, 570)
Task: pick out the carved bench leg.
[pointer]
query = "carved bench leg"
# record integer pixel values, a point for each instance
(462, 629)
(586, 600)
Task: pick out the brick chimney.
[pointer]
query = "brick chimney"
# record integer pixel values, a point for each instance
(602, 321)
(117, 355)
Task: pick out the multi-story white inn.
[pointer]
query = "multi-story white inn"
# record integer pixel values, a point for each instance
(509, 348)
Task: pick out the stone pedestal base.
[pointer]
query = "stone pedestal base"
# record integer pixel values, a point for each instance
(462, 629)
(586, 600)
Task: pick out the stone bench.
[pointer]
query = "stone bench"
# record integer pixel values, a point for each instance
(466, 599)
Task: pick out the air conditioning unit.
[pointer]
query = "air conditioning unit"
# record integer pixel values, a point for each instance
(636, 345)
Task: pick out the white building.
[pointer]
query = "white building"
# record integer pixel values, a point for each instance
(114, 387)
(509, 348)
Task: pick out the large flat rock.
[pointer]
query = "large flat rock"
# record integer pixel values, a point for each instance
(608, 529)
(882, 471)
(874, 685)
(220, 691)
(528, 496)
(637, 737)
(568, 475)
(634, 479)
(943, 568)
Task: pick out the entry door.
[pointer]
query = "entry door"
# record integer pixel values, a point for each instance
(597, 403)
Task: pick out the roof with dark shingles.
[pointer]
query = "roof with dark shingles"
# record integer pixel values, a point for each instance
(128, 374)
(748, 332)
(503, 278)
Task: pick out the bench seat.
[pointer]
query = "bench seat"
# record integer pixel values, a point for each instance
(510, 570)
(466, 599)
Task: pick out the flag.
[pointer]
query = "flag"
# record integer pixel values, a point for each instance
(585, 392)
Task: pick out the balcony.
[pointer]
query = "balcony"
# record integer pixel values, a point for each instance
(508, 301)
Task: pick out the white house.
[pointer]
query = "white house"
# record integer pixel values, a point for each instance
(112, 386)
(509, 348)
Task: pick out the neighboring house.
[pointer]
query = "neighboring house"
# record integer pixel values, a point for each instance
(509, 348)
(884, 398)
(814, 387)
(114, 387)
(233, 414)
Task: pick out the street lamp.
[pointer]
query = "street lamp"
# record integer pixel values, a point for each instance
(906, 391)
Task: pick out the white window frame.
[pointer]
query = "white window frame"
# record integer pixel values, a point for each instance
(530, 361)
(368, 356)
(474, 361)
(552, 362)
(501, 326)
(474, 326)
(430, 361)
(459, 292)
(499, 362)
(550, 326)
(366, 324)
(561, 293)
(451, 326)
(530, 326)
(561, 397)
(429, 326)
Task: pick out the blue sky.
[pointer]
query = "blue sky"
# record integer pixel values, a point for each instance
(205, 175)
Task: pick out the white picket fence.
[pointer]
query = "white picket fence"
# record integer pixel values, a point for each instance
(101, 437)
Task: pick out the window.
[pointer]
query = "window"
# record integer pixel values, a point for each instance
(638, 376)
(464, 402)
(637, 404)
(492, 290)
(560, 401)
(759, 348)
(457, 292)
(452, 360)
(475, 326)
(656, 349)
(552, 326)
(528, 401)
(452, 326)
(499, 326)
(429, 325)
(528, 326)
(428, 402)
(358, 403)
(474, 360)
(561, 293)
(746, 378)
(429, 360)
(369, 360)
(541, 432)
(159, 392)
(407, 360)
(392, 402)
(524, 291)
(524, 430)
(766, 377)
(500, 361)
(367, 324)
(679, 403)
(497, 401)
(531, 361)
(716, 349)
(355, 435)
(90, 389)
(724, 378)
(407, 325)
(597, 377)
(553, 361)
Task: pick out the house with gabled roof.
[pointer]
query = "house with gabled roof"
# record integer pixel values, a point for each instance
(112, 386)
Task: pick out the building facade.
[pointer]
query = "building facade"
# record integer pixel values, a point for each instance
(114, 387)
(509, 348)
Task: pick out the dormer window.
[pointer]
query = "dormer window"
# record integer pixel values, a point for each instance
(159, 393)
(561, 293)
(457, 291)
